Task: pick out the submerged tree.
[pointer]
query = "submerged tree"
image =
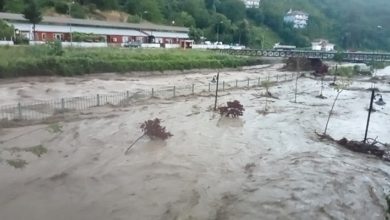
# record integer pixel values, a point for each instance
(152, 129)
(339, 89)
(233, 109)
(266, 84)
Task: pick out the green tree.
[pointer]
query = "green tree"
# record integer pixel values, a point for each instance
(242, 35)
(184, 19)
(33, 14)
(2, 2)
(14, 6)
(77, 11)
(197, 9)
(6, 31)
(148, 9)
(232, 9)
(256, 15)
(196, 34)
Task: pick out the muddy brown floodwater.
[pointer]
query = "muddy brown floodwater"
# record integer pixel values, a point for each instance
(261, 166)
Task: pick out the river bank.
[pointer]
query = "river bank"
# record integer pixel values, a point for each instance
(47, 61)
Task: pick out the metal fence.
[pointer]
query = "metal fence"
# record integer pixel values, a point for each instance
(41, 110)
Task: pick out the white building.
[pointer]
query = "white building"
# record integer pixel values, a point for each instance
(322, 45)
(252, 3)
(297, 18)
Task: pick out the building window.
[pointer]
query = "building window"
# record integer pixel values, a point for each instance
(43, 36)
(58, 36)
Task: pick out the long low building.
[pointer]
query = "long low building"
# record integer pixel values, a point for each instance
(59, 28)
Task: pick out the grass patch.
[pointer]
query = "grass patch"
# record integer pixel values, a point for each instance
(39, 60)
(38, 150)
(54, 128)
(17, 163)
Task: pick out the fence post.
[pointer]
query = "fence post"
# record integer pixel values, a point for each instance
(258, 81)
(209, 87)
(223, 85)
(63, 105)
(127, 94)
(277, 77)
(193, 89)
(97, 100)
(236, 83)
(248, 82)
(152, 92)
(20, 110)
(285, 77)
(174, 91)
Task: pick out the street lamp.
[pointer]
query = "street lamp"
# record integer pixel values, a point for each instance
(380, 102)
(70, 22)
(216, 80)
(379, 28)
(221, 22)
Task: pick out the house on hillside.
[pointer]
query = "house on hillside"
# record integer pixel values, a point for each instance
(59, 28)
(322, 45)
(299, 19)
(252, 3)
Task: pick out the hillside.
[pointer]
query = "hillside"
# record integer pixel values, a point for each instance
(351, 24)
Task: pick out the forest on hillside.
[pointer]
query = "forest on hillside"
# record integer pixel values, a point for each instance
(351, 24)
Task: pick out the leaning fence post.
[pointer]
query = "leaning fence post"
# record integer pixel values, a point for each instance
(209, 87)
(236, 83)
(97, 100)
(193, 89)
(248, 82)
(152, 92)
(20, 110)
(62, 105)
(223, 85)
(174, 91)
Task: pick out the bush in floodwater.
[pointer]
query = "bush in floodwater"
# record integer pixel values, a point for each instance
(152, 129)
(233, 109)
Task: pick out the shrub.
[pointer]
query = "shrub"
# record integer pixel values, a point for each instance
(61, 7)
(56, 48)
(233, 109)
(77, 11)
(153, 129)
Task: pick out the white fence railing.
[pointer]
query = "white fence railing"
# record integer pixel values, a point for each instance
(42, 110)
(5, 43)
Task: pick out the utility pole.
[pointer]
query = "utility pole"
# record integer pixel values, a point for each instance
(216, 92)
(369, 114)
(221, 22)
(70, 23)
(296, 81)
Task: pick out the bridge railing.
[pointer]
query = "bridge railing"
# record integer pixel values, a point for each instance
(330, 55)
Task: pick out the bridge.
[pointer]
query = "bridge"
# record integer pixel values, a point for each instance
(345, 56)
